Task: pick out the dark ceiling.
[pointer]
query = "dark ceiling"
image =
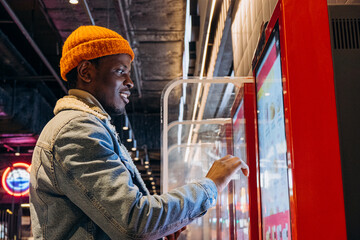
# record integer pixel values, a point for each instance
(32, 33)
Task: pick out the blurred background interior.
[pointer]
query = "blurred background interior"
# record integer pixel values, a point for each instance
(171, 39)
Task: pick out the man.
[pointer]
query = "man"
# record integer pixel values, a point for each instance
(84, 184)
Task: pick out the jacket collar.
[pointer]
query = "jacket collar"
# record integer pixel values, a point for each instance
(87, 97)
(72, 102)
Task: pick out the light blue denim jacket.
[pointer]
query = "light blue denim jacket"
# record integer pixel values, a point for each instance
(84, 184)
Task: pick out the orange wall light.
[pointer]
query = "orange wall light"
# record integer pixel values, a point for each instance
(16, 179)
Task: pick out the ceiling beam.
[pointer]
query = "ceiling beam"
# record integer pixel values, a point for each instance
(159, 36)
(87, 9)
(124, 19)
(32, 43)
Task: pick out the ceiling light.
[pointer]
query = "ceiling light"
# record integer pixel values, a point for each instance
(73, 1)
(207, 39)
(17, 154)
(151, 178)
(146, 166)
(153, 187)
(130, 136)
(136, 156)
(187, 153)
(152, 183)
(126, 125)
(134, 145)
(149, 172)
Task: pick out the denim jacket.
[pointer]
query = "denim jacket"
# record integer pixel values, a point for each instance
(84, 184)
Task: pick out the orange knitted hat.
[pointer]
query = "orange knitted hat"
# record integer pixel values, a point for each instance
(89, 42)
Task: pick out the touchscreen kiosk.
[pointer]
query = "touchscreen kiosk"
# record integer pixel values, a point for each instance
(274, 183)
(300, 191)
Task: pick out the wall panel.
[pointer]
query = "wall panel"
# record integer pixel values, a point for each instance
(245, 28)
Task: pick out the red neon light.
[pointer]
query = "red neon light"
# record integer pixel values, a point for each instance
(6, 172)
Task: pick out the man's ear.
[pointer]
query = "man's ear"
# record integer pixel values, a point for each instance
(85, 71)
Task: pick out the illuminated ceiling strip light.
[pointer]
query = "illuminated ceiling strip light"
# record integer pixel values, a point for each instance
(207, 38)
(201, 76)
(204, 57)
(186, 60)
(187, 39)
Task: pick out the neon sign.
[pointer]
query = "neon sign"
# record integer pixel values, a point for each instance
(16, 179)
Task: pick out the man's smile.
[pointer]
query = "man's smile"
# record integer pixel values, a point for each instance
(125, 96)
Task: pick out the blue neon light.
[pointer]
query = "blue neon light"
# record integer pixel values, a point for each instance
(18, 180)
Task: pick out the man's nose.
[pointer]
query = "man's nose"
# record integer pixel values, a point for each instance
(128, 82)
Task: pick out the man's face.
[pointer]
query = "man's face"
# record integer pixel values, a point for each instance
(112, 83)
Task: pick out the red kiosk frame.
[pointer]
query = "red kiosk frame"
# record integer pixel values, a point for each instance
(246, 96)
(313, 156)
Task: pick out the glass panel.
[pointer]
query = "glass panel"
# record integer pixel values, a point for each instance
(196, 131)
(241, 191)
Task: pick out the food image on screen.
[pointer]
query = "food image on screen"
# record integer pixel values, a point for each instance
(274, 183)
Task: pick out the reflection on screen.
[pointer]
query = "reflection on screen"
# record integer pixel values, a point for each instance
(272, 146)
(241, 193)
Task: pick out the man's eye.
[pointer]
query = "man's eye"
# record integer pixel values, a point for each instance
(120, 71)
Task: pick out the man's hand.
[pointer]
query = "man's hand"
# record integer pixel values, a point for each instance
(175, 235)
(222, 170)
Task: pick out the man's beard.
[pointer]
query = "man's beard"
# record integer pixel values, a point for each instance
(113, 111)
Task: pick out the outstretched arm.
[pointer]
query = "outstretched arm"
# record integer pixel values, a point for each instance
(93, 177)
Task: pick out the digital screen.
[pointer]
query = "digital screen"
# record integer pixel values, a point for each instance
(241, 193)
(274, 184)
